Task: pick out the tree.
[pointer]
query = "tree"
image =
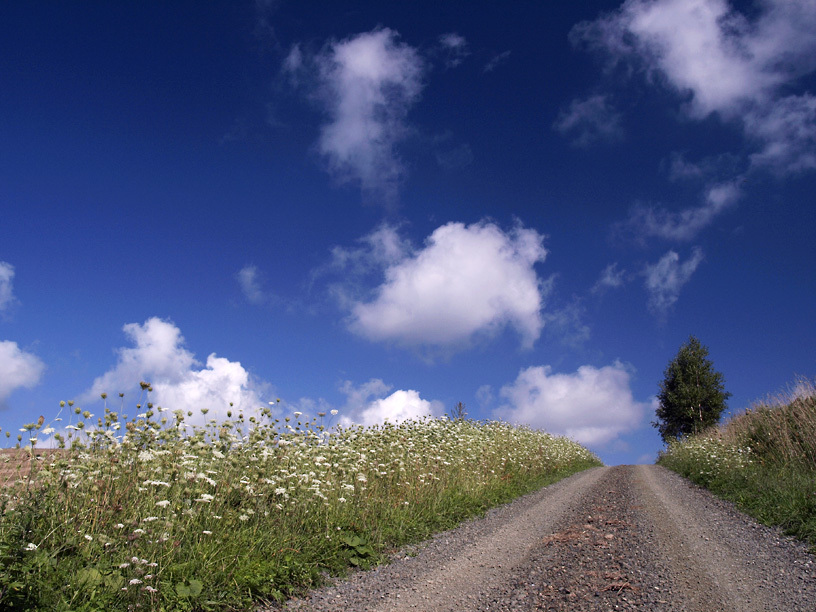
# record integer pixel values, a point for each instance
(692, 396)
(458, 413)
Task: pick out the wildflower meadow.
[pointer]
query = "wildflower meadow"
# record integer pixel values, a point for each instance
(153, 513)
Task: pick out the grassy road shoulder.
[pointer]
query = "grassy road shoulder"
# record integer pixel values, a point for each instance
(763, 460)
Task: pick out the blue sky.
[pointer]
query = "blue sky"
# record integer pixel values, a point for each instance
(388, 208)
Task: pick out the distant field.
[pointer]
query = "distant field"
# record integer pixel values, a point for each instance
(14, 463)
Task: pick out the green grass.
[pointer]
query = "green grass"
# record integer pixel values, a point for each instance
(764, 460)
(153, 514)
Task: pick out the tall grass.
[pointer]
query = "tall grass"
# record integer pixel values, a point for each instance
(151, 513)
(764, 460)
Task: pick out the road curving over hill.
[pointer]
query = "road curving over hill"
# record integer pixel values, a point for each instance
(614, 538)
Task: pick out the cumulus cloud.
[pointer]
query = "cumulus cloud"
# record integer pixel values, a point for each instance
(179, 381)
(366, 84)
(382, 247)
(362, 265)
(467, 280)
(666, 278)
(592, 405)
(723, 62)
(6, 290)
(368, 404)
(647, 222)
(18, 369)
(589, 121)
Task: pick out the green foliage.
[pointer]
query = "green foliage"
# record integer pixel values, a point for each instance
(360, 552)
(692, 396)
(155, 513)
(764, 460)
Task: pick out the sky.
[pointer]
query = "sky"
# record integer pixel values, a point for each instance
(386, 208)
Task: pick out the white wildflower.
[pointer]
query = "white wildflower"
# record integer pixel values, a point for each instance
(31, 546)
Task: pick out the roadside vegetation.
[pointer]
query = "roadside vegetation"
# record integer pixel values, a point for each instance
(151, 513)
(763, 459)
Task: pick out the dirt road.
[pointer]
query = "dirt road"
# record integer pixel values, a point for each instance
(619, 538)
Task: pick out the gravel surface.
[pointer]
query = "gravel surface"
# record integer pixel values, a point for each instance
(618, 538)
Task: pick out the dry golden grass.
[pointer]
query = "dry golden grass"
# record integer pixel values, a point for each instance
(781, 428)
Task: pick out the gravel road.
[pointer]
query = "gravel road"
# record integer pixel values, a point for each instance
(613, 538)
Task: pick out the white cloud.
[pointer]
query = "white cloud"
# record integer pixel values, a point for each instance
(368, 404)
(455, 47)
(455, 158)
(611, 278)
(382, 247)
(592, 406)
(367, 85)
(6, 290)
(646, 222)
(567, 324)
(666, 278)
(358, 265)
(17, 369)
(250, 285)
(707, 168)
(725, 63)
(496, 61)
(293, 64)
(484, 395)
(466, 281)
(590, 120)
(786, 132)
(179, 382)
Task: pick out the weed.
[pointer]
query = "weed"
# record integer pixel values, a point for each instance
(153, 513)
(764, 460)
